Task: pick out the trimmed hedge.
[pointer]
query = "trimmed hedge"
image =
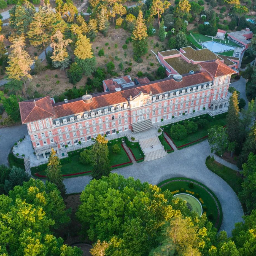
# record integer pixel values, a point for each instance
(15, 161)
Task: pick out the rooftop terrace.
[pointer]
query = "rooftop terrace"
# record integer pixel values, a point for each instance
(199, 55)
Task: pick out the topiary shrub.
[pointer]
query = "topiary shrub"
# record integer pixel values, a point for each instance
(182, 190)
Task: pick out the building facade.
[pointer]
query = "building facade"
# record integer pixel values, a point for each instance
(73, 122)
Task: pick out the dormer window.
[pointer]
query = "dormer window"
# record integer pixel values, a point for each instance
(99, 112)
(92, 114)
(154, 98)
(112, 109)
(166, 95)
(64, 121)
(105, 110)
(177, 93)
(125, 105)
(160, 97)
(79, 117)
(85, 115)
(72, 119)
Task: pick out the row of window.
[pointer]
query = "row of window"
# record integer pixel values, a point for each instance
(82, 139)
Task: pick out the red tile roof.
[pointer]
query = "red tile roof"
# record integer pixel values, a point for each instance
(143, 80)
(43, 108)
(112, 98)
(36, 109)
(217, 68)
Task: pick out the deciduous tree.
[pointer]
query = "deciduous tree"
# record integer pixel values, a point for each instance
(158, 7)
(218, 140)
(181, 40)
(249, 184)
(28, 216)
(11, 106)
(60, 55)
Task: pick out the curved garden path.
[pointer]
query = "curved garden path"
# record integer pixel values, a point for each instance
(188, 162)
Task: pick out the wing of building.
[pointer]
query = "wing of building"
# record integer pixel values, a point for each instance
(134, 107)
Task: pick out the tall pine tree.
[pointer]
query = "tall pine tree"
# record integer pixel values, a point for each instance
(53, 172)
(100, 158)
(233, 118)
(19, 61)
(139, 36)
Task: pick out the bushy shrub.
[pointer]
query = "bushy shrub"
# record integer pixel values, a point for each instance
(201, 2)
(161, 72)
(178, 132)
(110, 67)
(75, 73)
(125, 46)
(116, 149)
(121, 66)
(101, 52)
(85, 157)
(223, 9)
(140, 74)
(191, 126)
(203, 123)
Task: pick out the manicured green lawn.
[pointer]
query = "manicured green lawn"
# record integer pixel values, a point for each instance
(136, 150)
(193, 42)
(228, 53)
(74, 166)
(192, 202)
(167, 147)
(218, 120)
(204, 194)
(232, 177)
(119, 158)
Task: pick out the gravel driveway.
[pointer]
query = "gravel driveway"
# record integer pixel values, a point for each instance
(9, 136)
(190, 163)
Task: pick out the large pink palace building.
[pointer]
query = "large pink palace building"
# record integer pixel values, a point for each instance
(136, 107)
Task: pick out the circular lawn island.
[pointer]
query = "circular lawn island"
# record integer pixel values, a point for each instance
(193, 203)
(199, 198)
